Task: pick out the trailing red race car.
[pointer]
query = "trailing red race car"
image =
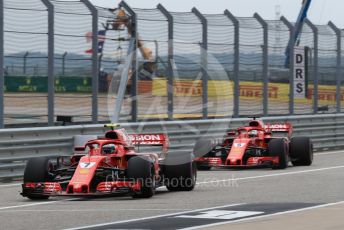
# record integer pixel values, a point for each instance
(111, 165)
(255, 145)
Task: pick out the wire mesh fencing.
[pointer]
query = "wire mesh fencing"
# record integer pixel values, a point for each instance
(153, 46)
(62, 58)
(25, 54)
(220, 64)
(279, 35)
(72, 21)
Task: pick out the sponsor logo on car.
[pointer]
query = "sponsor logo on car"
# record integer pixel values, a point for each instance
(239, 145)
(87, 165)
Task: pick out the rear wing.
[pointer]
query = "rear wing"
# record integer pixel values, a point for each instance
(158, 139)
(279, 128)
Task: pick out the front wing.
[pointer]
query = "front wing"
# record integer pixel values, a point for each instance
(103, 189)
(218, 162)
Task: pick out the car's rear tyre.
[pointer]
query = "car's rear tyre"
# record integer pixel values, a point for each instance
(38, 170)
(203, 146)
(180, 172)
(141, 169)
(301, 151)
(278, 148)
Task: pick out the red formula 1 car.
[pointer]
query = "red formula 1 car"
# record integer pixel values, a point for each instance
(111, 165)
(255, 145)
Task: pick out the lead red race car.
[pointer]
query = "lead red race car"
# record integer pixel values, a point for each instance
(255, 145)
(111, 165)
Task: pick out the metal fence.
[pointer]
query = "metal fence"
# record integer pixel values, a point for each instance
(205, 65)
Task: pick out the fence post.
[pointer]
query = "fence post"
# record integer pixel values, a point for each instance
(64, 63)
(265, 63)
(338, 33)
(51, 52)
(2, 75)
(291, 66)
(170, 84)
(100, 58)
(236, 98)
(25, 62)
(204, 61)
(95, 73)
(135, 64)
(315, 65)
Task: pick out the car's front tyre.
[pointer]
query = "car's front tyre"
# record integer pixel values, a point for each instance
(37, 170)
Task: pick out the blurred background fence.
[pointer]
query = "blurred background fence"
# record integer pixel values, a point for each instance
(60, 58)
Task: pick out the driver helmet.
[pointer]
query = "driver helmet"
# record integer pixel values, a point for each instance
(253, 133)
(108, 149)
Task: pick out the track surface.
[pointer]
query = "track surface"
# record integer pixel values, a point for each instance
(261, 190)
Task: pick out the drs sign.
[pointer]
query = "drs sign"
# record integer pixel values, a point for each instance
(300, 72)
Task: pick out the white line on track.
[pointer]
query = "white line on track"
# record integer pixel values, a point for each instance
(328, 153)
(35, 204)
(273, 175)
(263, 216)
(153, 217)
(316, 154)
(97, 210)
(9, 185)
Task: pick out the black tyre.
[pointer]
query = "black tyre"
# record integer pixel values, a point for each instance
(180, 172)
(38, 170)
(278, 148)
(203, 146)
(142, 170)
(203, 167)
(301, 151)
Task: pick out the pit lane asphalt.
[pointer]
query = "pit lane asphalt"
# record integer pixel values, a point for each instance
(323, 182)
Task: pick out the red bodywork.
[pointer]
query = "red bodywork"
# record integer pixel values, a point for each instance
(102, 170)
(240, 148)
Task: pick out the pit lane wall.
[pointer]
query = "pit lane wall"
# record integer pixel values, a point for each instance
(20, 144)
